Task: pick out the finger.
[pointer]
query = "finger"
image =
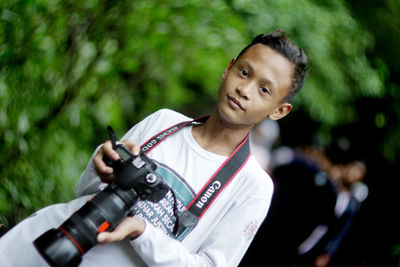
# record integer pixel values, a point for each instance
(101, 167)
(129, 227)
(108, 237)
(132, 146)
(119, 233)
(105, 172)
(108, 150)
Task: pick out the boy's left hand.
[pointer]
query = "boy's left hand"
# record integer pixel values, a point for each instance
(130, 227)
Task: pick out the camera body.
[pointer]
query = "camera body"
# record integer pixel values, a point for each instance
(135, 179)
(138, 173)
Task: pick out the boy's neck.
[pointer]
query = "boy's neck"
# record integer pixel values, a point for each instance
(216, 137)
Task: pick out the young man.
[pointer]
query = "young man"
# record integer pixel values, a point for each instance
(260, 82)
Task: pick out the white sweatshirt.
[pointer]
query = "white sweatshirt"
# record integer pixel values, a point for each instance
(221, 237)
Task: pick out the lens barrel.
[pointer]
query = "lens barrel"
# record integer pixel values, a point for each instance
(66, 245)
(57, 249)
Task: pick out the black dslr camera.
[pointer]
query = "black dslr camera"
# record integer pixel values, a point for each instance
(135, 179)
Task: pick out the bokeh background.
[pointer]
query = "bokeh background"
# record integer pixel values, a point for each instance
(69, 68)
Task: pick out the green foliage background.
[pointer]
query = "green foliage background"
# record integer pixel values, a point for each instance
(69, 68)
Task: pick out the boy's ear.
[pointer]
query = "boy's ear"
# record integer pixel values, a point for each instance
(281, 111)
(228, 68)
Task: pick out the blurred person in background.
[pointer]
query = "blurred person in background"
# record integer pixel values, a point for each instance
(318, 192)
(347, 174)
(304, 198)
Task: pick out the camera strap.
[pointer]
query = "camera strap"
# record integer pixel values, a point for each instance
(218, 181)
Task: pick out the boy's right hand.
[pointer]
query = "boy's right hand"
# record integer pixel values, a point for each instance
(105, 172)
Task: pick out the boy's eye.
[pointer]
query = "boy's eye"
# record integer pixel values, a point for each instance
(264, 90)
(244, 72)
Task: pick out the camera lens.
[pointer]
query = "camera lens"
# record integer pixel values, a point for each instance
(66, 245)
(57, 249)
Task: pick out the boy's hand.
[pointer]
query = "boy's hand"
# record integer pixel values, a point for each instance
(105, 172)
(130, 227)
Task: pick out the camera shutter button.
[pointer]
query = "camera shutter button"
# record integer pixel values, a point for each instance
(151, 178)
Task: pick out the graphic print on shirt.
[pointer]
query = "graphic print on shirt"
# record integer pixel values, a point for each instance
(161, 214)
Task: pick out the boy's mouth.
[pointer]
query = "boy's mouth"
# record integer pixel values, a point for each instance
(235, 103)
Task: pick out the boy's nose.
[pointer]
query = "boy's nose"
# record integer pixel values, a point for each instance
(244, 90)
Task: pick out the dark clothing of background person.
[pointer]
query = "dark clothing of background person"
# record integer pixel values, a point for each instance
(304, 198)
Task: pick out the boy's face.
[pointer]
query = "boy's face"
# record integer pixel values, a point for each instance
(253, 87)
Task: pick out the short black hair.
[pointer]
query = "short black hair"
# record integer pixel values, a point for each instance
(278, 41)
